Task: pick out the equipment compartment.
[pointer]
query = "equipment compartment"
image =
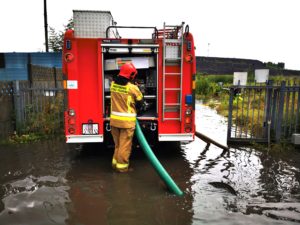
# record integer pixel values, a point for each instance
(146, 80)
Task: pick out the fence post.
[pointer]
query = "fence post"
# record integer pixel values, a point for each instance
(230, 113)
(17, 104)
(55, 77)
(30, 76)
(280, 111)
(274, 109)
(29, 70)
(297, 111)
(268, 103)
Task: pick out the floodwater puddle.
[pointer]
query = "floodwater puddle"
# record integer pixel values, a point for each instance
(55, 183)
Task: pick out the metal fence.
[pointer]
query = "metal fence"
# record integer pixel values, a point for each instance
(38, 109)
(32, 106)
(6, 109)
(263, 112)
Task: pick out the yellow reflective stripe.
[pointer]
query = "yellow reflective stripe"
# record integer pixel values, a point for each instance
(124, 118)
(119, 88)
(122, 165)
(114, 162)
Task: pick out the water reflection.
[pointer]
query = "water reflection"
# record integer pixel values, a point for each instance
(33, 187)
(138, 197)
(257, 177)
(280, 180)
(55, 183)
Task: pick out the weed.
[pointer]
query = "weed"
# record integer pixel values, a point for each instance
(248, 106)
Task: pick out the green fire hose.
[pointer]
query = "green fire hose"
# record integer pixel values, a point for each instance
(155, 163)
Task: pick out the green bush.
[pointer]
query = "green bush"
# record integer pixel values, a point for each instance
(291, 79)
(225, 79)
(207, 85)
(202, 86)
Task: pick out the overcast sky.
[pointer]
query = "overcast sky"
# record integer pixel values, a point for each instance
(267, 30)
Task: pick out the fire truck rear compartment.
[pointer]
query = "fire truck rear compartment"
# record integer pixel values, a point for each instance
(146, 79)
(92, 56)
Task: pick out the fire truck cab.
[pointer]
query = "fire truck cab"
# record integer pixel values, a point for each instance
(93, 53)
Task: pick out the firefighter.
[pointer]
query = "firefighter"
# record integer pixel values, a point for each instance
(125, 97)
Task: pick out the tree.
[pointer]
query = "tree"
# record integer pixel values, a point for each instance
(56, 38)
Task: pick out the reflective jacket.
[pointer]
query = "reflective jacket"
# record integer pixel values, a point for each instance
(123, 99)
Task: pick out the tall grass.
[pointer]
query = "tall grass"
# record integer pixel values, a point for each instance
(217, 78)
(212, 85)
(208, 86)
(214, 91)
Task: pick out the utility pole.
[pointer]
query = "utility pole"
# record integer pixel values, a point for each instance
(46, 25)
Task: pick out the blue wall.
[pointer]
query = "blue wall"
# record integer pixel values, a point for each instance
(16, 64)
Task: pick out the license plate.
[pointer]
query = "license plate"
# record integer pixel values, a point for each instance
(90, 128)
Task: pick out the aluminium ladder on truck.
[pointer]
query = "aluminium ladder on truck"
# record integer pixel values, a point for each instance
(172, 55)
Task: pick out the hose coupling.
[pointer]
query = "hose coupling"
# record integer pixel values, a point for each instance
(108, 127)
(153, 126)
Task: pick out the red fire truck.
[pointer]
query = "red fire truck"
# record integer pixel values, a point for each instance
(92, 55)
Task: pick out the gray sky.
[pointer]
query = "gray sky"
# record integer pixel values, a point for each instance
(267, 30)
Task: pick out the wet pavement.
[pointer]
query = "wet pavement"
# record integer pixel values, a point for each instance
(55, 183)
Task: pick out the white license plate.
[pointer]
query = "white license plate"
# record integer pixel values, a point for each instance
(90, 128)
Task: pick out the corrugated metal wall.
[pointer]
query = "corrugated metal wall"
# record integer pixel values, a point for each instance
(14, 65)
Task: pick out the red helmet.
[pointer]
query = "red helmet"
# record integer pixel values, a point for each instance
(128, 71)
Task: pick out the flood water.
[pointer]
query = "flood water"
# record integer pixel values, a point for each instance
(55, 183)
